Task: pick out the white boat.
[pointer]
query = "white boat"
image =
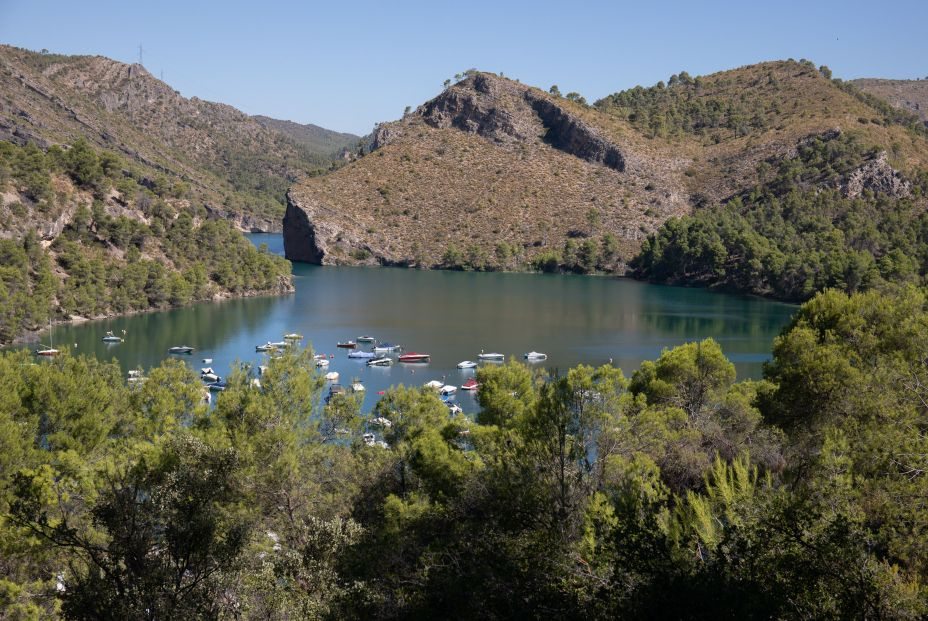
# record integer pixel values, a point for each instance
(49, 351)
(467, 364)
(535, 355)
(210, 377)
(206, 370)
(207, 361)
(454, 408)
(386, 348)
(448, 389)
(293, 336)
(278, 344)
(434, 385)
(365, 339)
(380, 362)
(380, 421)
(180, 349)
(322, 362)
(491, 356)
(112, 338)
(357, 387)
(331, 376)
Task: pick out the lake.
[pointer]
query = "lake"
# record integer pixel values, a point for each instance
(450, 315)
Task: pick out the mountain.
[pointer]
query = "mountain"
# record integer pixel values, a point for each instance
(236, 165)
(314, 138)
(494, 174)
(911, 95)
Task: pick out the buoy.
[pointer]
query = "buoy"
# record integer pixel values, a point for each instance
(380, 392)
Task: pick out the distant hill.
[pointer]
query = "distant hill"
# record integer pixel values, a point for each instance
(236, 165)
(316, 139)
(911, 95)
(494, 174)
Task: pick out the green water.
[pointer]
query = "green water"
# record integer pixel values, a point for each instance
(450, 315)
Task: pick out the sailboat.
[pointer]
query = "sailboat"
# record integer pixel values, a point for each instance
(49, 351)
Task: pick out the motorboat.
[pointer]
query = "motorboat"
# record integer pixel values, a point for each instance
(362, 354)
(210, 377)
(112, 338)
(206, 370)
(386, 348)
(322, 362)
(414, 357)
(380, 362)
(293, 336)
(357, 387)
(470, 384)
(467, 364)
(331, 376)
(278, 344)
(48, 352)
(448, 389)
(535, 355)
(491, 356)
(217, 386)
(180, 349)
(434, 385)
(266, 347)
(207, 361)
(347, 345)
(454, 408)
(366, 339)
(380, 421)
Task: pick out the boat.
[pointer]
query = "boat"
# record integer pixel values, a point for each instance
(217, 386)
(380, 421)
(293, 336)
(210, 377)
(386, 348)
(334, 389)
(535, 355)
(49, 351)
(347, 345)
(470, 384)
(279, 344)
(207, 361)
(135, 376)
(357, 387)
(491, 356)
(467, 364)
(454, 408)
(266, 347)
(380, 362)
(180, 349)
(112, 338)
(448, 389)
(322, 362)
(331, 376)
(434, 384)
(414, 357)
(366, 339)
(362, 354)
(206, 370)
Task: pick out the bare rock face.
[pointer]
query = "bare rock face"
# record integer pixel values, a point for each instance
(878, 177)
(568, 133)
(477, 106)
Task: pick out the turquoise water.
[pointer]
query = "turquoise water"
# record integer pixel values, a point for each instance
(450, 315)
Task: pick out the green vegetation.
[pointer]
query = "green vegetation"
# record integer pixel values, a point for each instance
(105, 261)
(797, 232)
(583, 495)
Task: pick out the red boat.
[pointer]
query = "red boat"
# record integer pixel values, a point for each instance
(470, 384)
(414, 357)
(348, 345)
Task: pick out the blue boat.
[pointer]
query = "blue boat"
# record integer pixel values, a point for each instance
(362, 354)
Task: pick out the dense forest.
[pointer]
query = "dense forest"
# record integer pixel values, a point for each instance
(800, 230)
(127, 242)
(679, 492)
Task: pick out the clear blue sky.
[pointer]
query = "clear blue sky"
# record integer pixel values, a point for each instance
(347, 64)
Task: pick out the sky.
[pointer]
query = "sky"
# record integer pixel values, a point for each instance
(347, 65)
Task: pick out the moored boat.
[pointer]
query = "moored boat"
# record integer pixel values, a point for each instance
(112, 338)
(217, 386)
(491, 356)
(210, 377)
(386, 348)
(535, 355)
(362, 354)
(470, 384)
(380, 362)
(434, 384)
(415, 357)
(266, 347)
(448, 389)
(293, 336)
(180, 349)
(48, 352)
(357, 387)
(467, 364)
(207, 361)
(331, 376)
(366, 339)
(347, 345)
(454, 408)
(322, 362)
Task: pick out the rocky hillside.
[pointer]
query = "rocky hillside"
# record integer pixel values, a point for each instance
(493, 174)
(237, 166)
(314, 138)
(910, 95)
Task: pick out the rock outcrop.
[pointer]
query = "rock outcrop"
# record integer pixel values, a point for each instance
(879, 177)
